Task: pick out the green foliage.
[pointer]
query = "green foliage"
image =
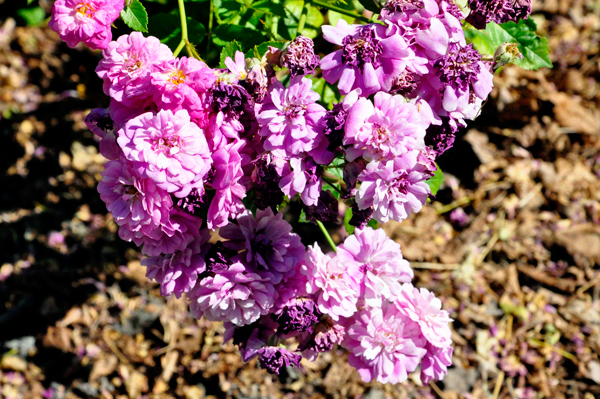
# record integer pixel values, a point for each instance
(224, 34)
(436, 180)
(370, 5)
(32, 16)
(533, 47)
(347, 217)
(302, 217)
(229, 51)
(167, 27)
(314, 19)
(135, 16)
(261, 49)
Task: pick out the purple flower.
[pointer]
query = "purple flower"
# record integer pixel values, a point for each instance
(289, 118)
(229, 98)
(394, 188)
(383, 129)
(299, 315)
(126, 67)
(369, 58)
(234, 295)
(335, 120)
(302, 176)
(384, 345)
(237, 67)
(170, 148)
(324, 337)
(441, 137)
(86, 21)
(267, 243)
(299, 57)
(329, 282)
(326, 210)
(174, 234)
(100, 123)
(178, 82)
(137, 205)
(375, 261)
(422, 307)
(227, 202)
(274, 358)
(177, 273)
(360, 217)
(499, 11)
(405, 84)
(434, 365)
(265, 177)
(218, 258)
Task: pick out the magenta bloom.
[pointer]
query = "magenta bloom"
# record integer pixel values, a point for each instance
(384, 345)
(177, 273)
(375, 261)
(302, 176)
(267, 243)
(126, 67)
(422, 307)
(227, 202)
(394, 188)
(385, 129)
(234, 295)
(100, 123)
(178, 82)
(138, 206)
(335, 290)
(174, 234)
(86, 21)
(369, 58)
(170, 148)
(289, 118)
(435, 363)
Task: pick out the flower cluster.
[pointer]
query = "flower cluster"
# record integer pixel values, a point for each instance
(193, 149)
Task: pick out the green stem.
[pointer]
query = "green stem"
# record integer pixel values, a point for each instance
(303, 16)
(340, 10)
(327, 236)
(210, 26)
(184, 32)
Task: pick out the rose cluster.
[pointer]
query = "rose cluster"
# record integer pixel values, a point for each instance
(192, 149)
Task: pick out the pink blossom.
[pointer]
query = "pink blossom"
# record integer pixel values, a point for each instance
(170, 148)
(384, 345)
(422, 307)
(394, 188)
(385, 129)
(267, 243)
(227, 202)
(101, 124)
(174, 234)
(137, 205)
(126, 67)
(369, 58)
(86, 21)
(303, 176)
(335, 290)
(435, 363)
(234, 295)
(237, 67)
(290, 118)
(375, 261)
(177, 273)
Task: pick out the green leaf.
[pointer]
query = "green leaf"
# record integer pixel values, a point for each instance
(314, 19)
(533, 47)
(370, 5)
(373, 224)
(229, 51)
(269, 6)
(436, 180)
(247, 37)
(135, 16)
(347, 217)
(167, 27)
(29, 2)
(32, 16)
(302, 217)
(261, 49)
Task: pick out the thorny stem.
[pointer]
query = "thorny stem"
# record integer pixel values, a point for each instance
(340, 10)
(184, 32)
(327, 236)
